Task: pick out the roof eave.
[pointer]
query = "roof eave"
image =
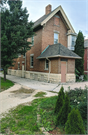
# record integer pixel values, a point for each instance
(64, 15)
(72, 57)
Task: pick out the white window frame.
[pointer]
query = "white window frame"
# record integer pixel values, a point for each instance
(31, 55)
(19, 55)
(56, 39)
(73, 41)
(18, 65)
(46, 64)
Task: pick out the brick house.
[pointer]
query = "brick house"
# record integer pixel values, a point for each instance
(50, 58)
(86, 56)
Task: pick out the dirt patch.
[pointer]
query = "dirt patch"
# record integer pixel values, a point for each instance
(22, 90)
(22, 93)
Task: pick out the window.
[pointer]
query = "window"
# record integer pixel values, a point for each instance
(73, 41)
(19, 55)
(56, 20)
(56, 38)
(32, 40)
(31, 60)
(18, 65)
(46, 64)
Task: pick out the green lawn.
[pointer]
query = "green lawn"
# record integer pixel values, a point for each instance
(40, 94)
(5, 84)
(23, 119)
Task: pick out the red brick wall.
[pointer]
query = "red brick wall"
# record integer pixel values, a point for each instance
(36, 50)
(71, 66)
(43, 38)
(48, 33)
(54, 65)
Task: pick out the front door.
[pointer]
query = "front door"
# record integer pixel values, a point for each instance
(63, 71)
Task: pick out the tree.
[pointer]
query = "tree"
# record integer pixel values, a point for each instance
(15, 30)
(79, 49)
(60, 100)
(74, 124)
(63, 113)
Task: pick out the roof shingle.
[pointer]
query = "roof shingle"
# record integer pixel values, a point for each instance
(57, 50)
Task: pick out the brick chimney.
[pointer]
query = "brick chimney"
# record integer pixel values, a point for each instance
(48, 9)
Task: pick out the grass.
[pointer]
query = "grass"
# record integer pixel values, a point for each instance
(40, 94)
(23, 119)
(5, 84)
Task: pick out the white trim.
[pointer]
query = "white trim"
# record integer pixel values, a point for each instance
(31, 54)
(56, 31)
(64, 15)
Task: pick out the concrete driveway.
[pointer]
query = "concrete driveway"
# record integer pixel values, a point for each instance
(43, 85)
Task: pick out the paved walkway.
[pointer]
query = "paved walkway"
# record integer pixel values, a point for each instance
(45, 86)
(9, 100)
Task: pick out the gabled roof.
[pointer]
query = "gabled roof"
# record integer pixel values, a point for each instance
(58, 50)
(41, 21)
(85, 43)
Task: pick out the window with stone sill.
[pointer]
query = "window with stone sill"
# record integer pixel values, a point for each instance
(56, 38)
(18, 66)
(31, 61)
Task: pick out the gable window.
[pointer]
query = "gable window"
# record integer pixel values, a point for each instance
(46, 64)
(31, 60)
(56, 35)
(32, 40)
(56, 20)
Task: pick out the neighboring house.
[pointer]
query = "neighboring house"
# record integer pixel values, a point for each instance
(86, 56)
(50, 58)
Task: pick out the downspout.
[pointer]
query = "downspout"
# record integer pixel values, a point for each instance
(49, 69)
(25, 64)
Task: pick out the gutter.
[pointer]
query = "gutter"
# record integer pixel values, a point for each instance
(61, 56)
(49, 69)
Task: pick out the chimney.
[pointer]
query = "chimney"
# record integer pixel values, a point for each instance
(48, 9)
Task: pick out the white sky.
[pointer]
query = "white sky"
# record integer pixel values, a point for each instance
(76, 11)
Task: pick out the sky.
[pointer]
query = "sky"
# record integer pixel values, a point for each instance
(76, 11)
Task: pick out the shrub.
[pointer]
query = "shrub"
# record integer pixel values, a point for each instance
(63, 114)
(74, 124)
(60, 99)
(83, 110)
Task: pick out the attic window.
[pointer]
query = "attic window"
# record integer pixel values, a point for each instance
(56, 20)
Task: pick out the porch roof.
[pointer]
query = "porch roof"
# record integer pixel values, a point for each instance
(57, 50)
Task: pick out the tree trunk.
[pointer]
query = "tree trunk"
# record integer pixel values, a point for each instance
(4, 75)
